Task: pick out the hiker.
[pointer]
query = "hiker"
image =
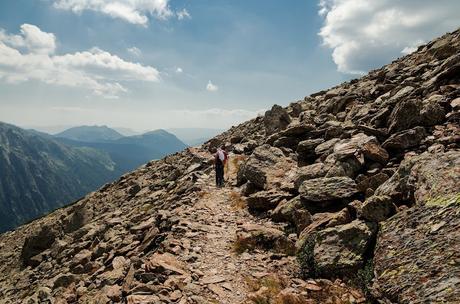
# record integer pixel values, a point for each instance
(219, 162)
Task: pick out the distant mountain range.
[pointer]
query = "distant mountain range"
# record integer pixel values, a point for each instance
(41, 172)
(127, 152)
(90, 134)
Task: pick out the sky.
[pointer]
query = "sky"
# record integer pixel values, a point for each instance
(149, 64)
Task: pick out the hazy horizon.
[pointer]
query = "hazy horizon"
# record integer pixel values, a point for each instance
(160, 64)
(53, 130)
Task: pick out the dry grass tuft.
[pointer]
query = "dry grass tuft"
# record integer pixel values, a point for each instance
(237, 201)
(203, 194)
(242, 245)
(235, 162)
(272, 289)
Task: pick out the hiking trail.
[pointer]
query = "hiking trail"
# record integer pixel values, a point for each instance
(211, 226)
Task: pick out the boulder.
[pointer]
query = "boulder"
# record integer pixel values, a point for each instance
(326, 147)
(260, 161)
(266, 200)
(36, 244)
(455, 104)
(286, 142)
(405, 139)
(286, 209)
(402, 94)
(344, 165)
(306, 149)
(427, 178)
(432, 112)
(405, 115)
(321, 192)
(374, 152)
(265, 167)
(435, 177)
(442, 49)
(253, 236)
(310, 172)
(371, 182)
(276, 119)
(377, 209)
(376, 180)
(296, 130)
(292, 211)
(340, 251)
(320, 221)
(360, 144)
(417, 256)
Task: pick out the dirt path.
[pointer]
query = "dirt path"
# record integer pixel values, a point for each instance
(212, 224)
(203, 241)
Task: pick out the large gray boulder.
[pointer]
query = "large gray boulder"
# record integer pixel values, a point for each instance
(417, 256)
(338, 252)
(276, 119)
(292, 211)
(267, 168)
(266, 200)
(405, 139)
(320, 221)
(427, 178)
(306, 149)
(377, 209)
(405, 115)
(257, 165)
(322, 192)
(252, 236)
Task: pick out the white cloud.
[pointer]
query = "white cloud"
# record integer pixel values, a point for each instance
(32, 39)
(134, 51)
(183, 14)
(179, 70)
(211, 87)
(132, 11)
(367, 34)
(95, 69)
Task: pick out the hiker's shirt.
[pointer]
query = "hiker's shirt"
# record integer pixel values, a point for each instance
(220, 157)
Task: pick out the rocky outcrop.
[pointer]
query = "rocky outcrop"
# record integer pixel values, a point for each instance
(366, 151)
(424, 179)
(417, 255)
(266, 167)
(377, 209)
(320, 193)
(276, 119)
(340, 251)
(251, 237)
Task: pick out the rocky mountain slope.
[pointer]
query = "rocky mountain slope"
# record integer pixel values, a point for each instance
(350, 195)
(39, 175)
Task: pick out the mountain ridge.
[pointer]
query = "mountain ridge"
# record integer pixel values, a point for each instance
(42, 172)
(90, 134)
(37, 161)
